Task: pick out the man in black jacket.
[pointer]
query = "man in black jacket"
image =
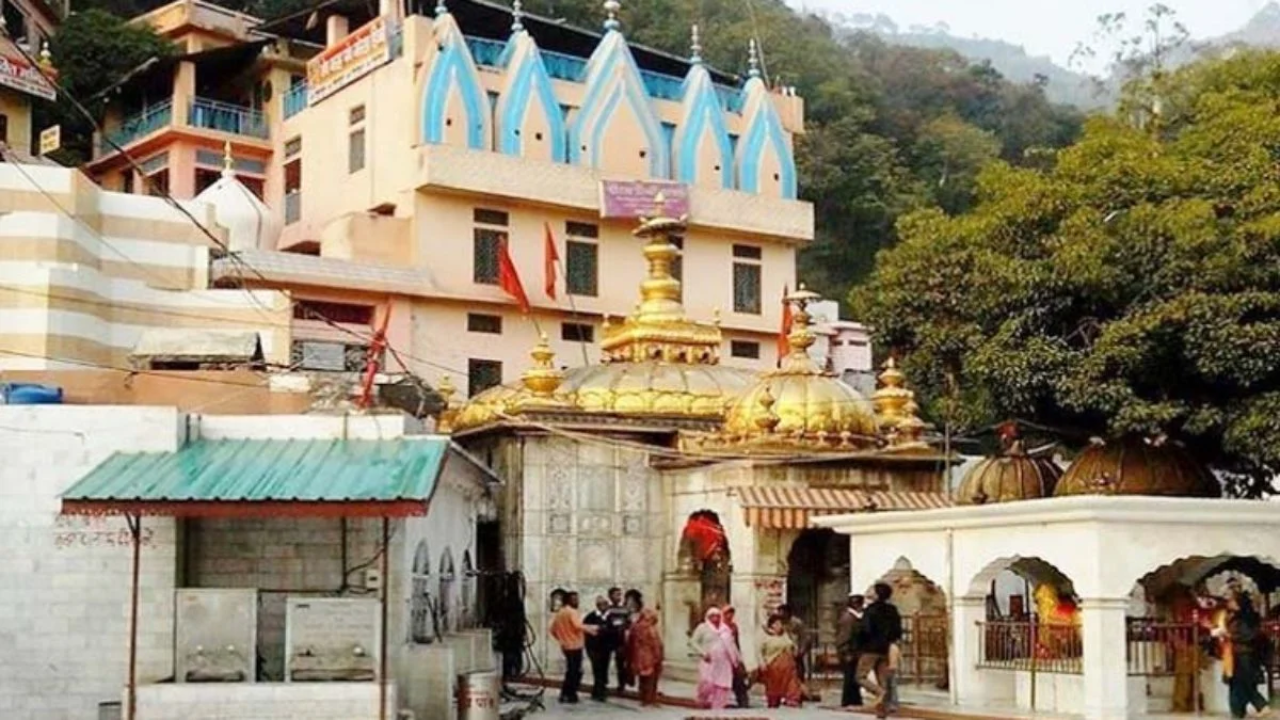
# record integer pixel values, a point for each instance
(881, 628)
(848, 636)
(599, 648)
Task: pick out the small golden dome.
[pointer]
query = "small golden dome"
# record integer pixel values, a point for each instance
(1134, 466)
(1011, 475)
(799, 405)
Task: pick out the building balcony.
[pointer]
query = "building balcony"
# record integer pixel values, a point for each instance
(456, 169)
(228, 118)
(295, 100)
(201, 113)
(137, 126)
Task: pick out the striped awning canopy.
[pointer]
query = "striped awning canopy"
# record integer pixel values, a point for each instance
(782, 508)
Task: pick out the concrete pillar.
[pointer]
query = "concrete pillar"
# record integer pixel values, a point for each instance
(754, 597)
(336, 28)
(184, 91)
(973, 687)
(1106, 695)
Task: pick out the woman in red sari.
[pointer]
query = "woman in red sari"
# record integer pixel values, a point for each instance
(778, 670)
(644, 655)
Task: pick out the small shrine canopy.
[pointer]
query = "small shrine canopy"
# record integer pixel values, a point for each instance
(790, 508)
(268, 478)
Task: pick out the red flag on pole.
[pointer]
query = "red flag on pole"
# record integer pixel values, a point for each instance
(509, 279)
(784, 347)
(551, 258)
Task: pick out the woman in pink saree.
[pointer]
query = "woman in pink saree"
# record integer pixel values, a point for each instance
(712, 642)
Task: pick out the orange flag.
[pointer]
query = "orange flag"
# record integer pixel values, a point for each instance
(783, 346)
(509, 279)
(551, 258)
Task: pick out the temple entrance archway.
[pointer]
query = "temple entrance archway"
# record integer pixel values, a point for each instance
(1046, 637)
(704, 554)
(818, 581)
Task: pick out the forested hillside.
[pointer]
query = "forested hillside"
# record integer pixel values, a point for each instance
(890, 129)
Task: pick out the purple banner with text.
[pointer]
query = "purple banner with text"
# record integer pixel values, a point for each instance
(634, 199)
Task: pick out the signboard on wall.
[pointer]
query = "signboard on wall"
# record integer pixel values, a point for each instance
(368, 47)
(50, 139)
(22, 76)
(636, 199)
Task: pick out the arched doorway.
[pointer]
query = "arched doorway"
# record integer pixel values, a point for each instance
(421, 625)
(704, 553)
(925, 625)
(818, 581)
(1169, 628)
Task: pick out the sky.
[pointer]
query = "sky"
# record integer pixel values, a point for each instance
(1043, 27)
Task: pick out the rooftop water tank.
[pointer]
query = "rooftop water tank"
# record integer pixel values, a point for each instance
(30, 394)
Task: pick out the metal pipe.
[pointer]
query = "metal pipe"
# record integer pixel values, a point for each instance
(135, 532)
(382, 634)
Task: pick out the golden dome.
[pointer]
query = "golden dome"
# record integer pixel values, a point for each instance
(1011, 475)
(797, 406)
(1134, 466)
(657, 363)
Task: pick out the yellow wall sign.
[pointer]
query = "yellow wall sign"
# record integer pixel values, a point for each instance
(50, 139)
(355, 56)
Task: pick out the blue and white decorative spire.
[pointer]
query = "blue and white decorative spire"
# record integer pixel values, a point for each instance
(616, 127)
(611, 8)
(765, 162)
(528, 117)
(517, 17)
(701, 149)
(455, 107)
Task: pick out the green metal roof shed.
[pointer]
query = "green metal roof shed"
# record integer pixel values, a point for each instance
(267, 478)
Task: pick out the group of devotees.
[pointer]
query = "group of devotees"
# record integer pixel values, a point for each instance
(621, 634)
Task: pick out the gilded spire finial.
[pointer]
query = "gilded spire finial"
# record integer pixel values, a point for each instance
(801, 337)
(696, 47)
(892, 398)
(542, 378)
(767, 420)
(517, 16)
(611, 8)
(449, 411)
(228, 163)
(753, 59)
(441, 8)
(46, 57)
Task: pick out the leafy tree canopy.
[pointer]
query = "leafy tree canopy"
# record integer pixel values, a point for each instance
(1133, 286)
(93, 50)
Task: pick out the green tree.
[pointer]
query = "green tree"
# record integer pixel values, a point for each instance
(1131, 287)
(92, 51)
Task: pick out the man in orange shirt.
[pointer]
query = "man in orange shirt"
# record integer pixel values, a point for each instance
(568, 630)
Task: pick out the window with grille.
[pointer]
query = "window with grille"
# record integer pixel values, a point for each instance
(337, 312)
(357, 115)
(325, 356)
(746, 288)
(355, 151)
(581, 268)
(488, 245)
(744, 349)
(577, 332)
(482, 375)
(422, 602)
(484, 323)
(482, 216)
(749, 252)
(582, 230)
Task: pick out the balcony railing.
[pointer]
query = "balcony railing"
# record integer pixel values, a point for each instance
(139, 125)
(295, 99)
(488, 53)
(228, 118)
(292, 207)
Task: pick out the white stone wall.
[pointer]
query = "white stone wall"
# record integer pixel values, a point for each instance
(64, 582)
(309, 701)
(592, 518)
